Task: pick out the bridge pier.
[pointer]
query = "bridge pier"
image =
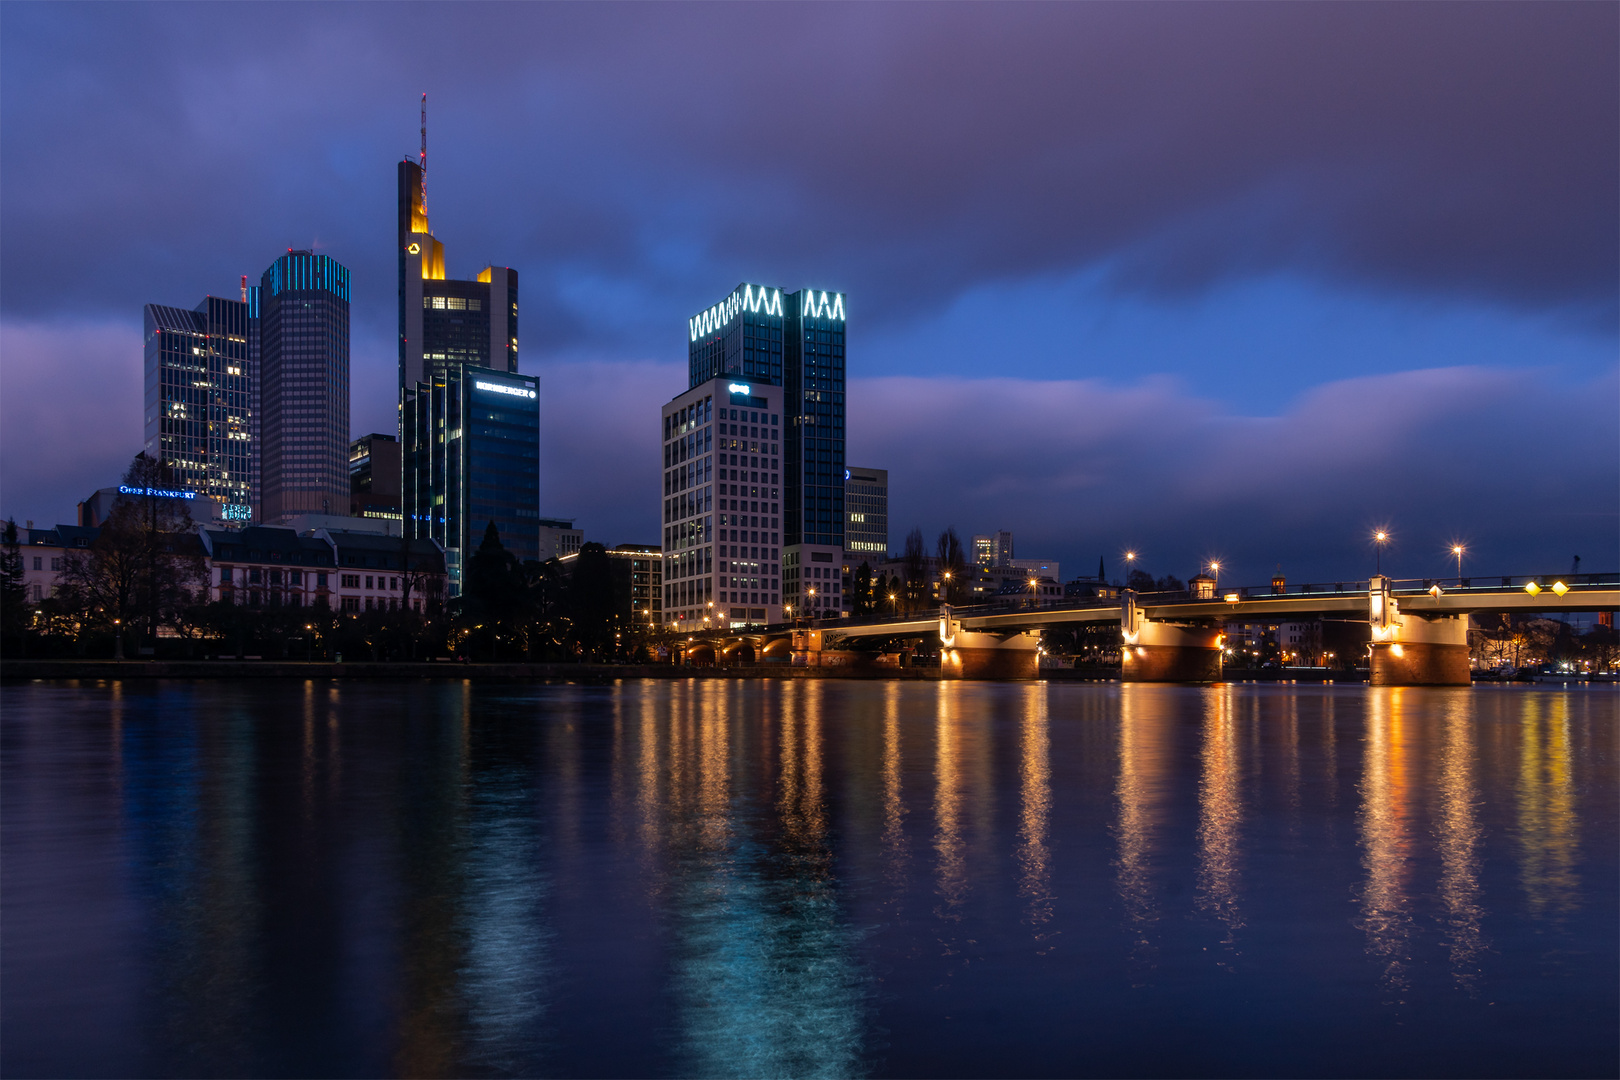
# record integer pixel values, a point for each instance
(1172, 652)
(972, 655)
(1413, 650)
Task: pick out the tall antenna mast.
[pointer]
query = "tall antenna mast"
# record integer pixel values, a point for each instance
(424, 154)
(244, 288)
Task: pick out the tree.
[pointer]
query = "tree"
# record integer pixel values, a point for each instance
(491, 594)
(952, 567)
(143, 567)
(863, 604)
(13, 600)
(914, 563)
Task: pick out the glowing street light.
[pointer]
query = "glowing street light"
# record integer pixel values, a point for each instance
(1457, 550)
(1130, 557)
(1380, 538)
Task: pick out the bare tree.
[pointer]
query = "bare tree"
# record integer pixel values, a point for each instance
(952, 567)
(914, 562)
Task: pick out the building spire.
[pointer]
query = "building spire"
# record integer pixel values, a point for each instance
(424, 154)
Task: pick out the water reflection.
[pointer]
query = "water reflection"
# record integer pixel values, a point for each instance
(721, 878)
(1035, 783)
(1458, 837)
(763, 975)
(1548, 826)
(1386, 830)
(1220, 812)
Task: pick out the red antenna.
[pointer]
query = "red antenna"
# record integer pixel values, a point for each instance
(244, 288)
(424, 154)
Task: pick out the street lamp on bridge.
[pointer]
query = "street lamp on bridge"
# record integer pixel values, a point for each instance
(1380, 538)
(1457, 550)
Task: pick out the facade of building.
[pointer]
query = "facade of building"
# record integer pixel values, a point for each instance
(646, 563)
(866, 515)
(721, 505)
(995, 549)
(558, 537)
(198, 400)
(271, 566)
(763, 336)
(375, 470)
(442, 320)
(302, 307)
(469, 423)
(471, 456)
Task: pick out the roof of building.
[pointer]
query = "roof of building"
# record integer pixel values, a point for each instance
(375, 552)
(266, 543)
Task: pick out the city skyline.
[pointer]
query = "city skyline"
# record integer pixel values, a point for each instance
(1186, 325)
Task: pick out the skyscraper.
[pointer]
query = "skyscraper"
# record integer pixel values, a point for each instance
(442, 320)
(199, 399)
(794, 340)
(469, 423)
(303, 319)
(866, 511)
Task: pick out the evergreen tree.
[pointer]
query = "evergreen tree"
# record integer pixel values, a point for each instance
(492, 591)
(13, 601)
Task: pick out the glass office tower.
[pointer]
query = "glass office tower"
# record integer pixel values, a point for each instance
(199, 400)
(795, 340)
(866, 515)
(471, 456)
(442, 320)
(303, 313)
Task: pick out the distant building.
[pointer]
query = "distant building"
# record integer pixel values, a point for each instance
(760, 336)
(198, 406)
(94, 511)
(646, 581)
(469, 423)
(375, 470)
(558, 537)
(471, 457)
(721, 505)
(263, 566)
(303, 320)
(442, 320)
(866, 515)
(995, 549)
(1037, 567)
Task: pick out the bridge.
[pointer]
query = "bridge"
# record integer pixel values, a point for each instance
(1419, 628)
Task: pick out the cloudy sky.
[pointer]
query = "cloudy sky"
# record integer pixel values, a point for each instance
(1244, 280)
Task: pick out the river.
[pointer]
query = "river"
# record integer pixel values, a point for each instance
(807, 878)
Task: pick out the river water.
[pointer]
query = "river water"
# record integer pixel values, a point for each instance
(802, 878)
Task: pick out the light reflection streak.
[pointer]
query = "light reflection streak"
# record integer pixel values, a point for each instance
(1142, 793)
(1458, 837)
(1035, 775)
(1549, 832)
(764, 981)
(948, 848)
(1386, 832)
(895, 848)
(1220, 813)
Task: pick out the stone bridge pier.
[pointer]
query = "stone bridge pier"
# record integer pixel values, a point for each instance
(1154, 651)
(970, 654)
(1413, 650)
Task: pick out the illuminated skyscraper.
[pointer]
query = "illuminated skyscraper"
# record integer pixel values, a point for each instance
(795, 340)
(442, 320)
(199, 399)
(303, 319)
(469, 423)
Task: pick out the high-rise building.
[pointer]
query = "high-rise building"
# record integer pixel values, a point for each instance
(795, 340)
(199, 400)
(471, 457)
(558, 537)
(303, 319)
(374, 476)
(442, 320)
(993, 550)
(866, 515)
(721, 505)
(469, 423)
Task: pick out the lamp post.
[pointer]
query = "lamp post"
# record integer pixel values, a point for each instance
(1130, 557)
(945, 590)
(1457, 550)
(1032, 582)
(894, 604)
(309, 643)
(1380, 538)
(1215, 570)
(812, 604)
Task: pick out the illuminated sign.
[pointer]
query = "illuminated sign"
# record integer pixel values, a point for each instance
(162, 493)
(236, 512)
(740, 388)
(414, 249)
(846, 476)
(500, 388)
(820, 306)
(766, 301)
